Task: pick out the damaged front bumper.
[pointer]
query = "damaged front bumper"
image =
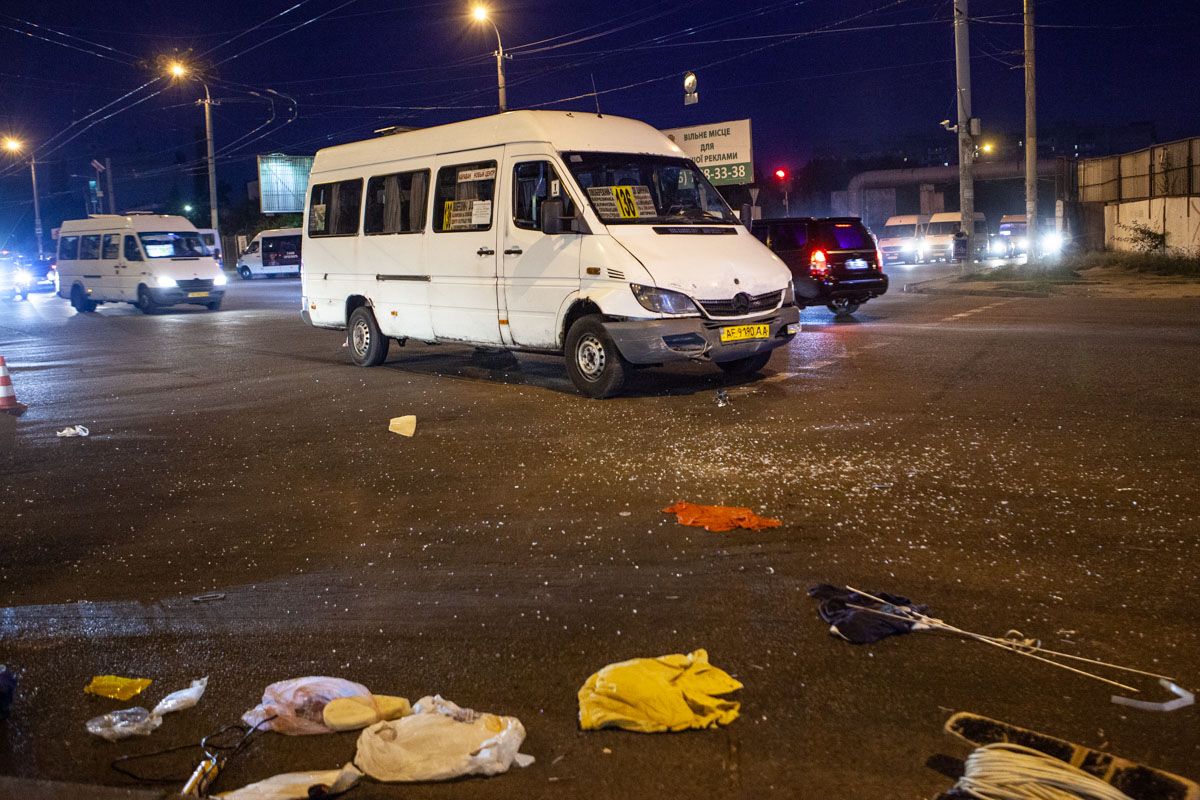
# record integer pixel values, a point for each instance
(656, 341)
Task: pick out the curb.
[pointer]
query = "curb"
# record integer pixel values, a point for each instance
(30, 789)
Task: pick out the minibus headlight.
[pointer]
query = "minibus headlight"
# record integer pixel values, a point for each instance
(220, 280)
(164, 282)
(663, 301)
(909, 246)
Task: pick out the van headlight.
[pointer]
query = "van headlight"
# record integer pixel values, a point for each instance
(909, 246)
(663, 301)
(163, 282)
(220, 280)
(1052, 242)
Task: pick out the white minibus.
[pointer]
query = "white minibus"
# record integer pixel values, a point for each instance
(271, 253)
(548, 231)
(150, 260)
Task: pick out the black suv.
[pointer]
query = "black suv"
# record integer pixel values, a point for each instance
(835, 261)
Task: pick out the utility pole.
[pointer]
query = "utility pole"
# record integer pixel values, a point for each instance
(212, 164)
(500, 74)
(112, 199)
(37, 210)
(966, 141)
(1031, 198)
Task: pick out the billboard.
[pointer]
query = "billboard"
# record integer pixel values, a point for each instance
(283, 183)
(721, 150)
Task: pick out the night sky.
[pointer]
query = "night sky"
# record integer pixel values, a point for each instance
(850, 76)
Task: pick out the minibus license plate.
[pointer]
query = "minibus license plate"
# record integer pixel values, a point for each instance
(740, 333)
(197, 294)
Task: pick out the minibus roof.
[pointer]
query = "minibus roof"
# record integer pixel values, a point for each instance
(563, 130)
(279, 232)
(132, 222)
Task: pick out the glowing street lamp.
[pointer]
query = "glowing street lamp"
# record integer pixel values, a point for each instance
(178, 70)
(480, 14)
(15, 146)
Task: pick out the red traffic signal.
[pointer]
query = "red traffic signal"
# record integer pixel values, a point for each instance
(781, 174)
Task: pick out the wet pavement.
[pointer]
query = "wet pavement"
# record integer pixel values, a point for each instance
(1014, 463)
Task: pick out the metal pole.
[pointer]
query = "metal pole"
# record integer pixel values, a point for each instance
(500, 69)
(966, 142)
(37, 210)
(212, 166)
(112, 200)
(1031, 198)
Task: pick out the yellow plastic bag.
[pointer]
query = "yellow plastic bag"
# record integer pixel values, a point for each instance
(116, 687)
(649, 695)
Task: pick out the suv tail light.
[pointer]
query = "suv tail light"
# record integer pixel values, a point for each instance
(818, 264)
(878, 258)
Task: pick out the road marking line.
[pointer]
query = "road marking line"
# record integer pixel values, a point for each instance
(970, 312)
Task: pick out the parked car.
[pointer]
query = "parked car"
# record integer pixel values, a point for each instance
(834, 261)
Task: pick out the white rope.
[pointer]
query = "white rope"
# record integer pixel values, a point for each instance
(1004, 771)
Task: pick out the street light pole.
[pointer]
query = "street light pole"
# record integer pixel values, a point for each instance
(212, 163)
(1031, 198)
(481, 15)
(966, 142)
(37, 209)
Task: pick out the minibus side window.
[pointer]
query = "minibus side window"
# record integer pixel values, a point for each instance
(89, 248)
(533, 183)
(396, 203)
(112, 247)
(334, 208)
(132, 253)
(68, 248)
(463, 198)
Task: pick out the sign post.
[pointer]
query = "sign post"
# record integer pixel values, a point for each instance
(721, 150)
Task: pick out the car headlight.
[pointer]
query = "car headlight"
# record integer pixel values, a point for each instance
(163, 282)
(909, 246)
(663, 301)
(789, 294)
(220, 280)
(24, 276)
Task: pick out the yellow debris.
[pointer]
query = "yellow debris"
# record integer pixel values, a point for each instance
(649, 695)
(358, 711)
(405, 426)
(116, 687)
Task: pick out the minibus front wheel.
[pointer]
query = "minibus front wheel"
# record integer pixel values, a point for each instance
(368, 346)
(594, 363)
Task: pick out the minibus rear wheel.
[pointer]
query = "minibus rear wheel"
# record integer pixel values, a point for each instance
(594, 363)
(368, 347)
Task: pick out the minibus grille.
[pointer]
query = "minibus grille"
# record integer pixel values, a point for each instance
(730, 308)
(195, 285)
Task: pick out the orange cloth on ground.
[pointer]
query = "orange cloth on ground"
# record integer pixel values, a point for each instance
(719, 518)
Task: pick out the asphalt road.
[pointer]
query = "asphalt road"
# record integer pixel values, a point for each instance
(1012, 462)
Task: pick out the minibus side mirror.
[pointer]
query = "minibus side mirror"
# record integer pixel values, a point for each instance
(552, 216)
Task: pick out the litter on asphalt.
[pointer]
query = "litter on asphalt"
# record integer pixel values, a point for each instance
(354, 713)
(850, 614)
(115, 687)
(76, 430)
(718, 519)
(651, 695)
(405, 426)
(296, 707)
(137, 721)
(298, 785)
(1183, 698)
(440, 741)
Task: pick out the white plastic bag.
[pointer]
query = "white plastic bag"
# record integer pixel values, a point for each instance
(137, 721)
(296, 785)
(298, 704)
(440, 741)
(117, 725)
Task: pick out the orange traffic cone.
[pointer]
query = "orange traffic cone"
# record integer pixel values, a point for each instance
(8, 397)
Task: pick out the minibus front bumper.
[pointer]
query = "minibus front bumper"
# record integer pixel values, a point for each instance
(656, 341)
(197, 295)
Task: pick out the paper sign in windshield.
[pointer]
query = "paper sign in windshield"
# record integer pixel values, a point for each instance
(623, 202)
(481, 174)
(481, 212)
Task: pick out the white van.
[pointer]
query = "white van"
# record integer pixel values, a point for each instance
(271, 253)
(212, 240)
(902, 240)
(939, 235)
(551, 231)
(150, 260)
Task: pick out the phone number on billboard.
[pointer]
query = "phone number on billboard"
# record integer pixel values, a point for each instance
(724, 173)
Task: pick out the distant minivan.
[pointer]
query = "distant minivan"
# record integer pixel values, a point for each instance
(212, 239)
(271, 253)
(902, 240)
(939, 235)
(550, 231)
(150, 260)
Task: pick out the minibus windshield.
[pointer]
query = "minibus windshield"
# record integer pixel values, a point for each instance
(899, 231)
(624, 188)
(170, 244)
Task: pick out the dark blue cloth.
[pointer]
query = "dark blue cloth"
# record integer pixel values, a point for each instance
(861, 627)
